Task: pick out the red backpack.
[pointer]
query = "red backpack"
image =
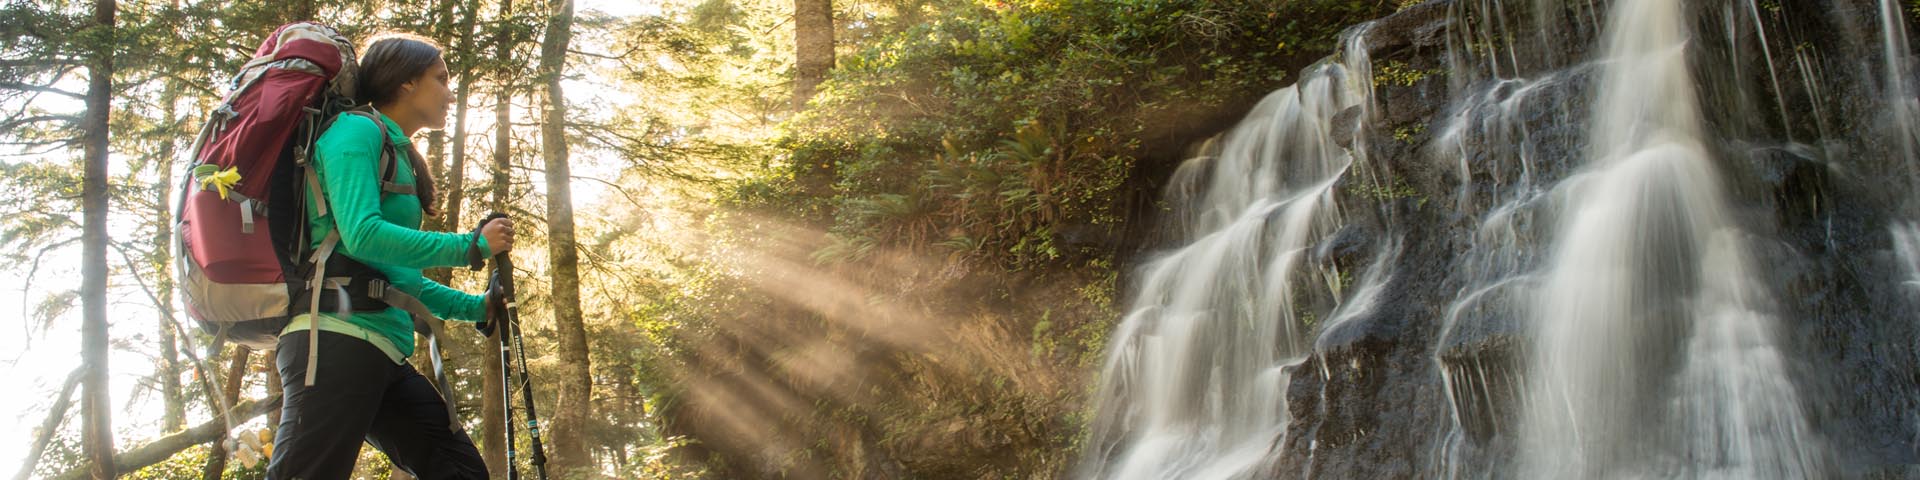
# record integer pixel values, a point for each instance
(243, 261)
(241, 255)
(238, 233)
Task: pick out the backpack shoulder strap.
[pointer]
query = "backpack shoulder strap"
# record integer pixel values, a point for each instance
(388, 170)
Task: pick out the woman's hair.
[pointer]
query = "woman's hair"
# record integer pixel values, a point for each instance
(392, 60)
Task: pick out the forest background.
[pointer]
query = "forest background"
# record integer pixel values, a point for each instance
(760, 238)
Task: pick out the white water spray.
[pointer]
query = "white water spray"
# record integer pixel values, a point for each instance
(1655, 355)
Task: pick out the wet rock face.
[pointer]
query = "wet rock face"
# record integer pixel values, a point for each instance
(1428, 385)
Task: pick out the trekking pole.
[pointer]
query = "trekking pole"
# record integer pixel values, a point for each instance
(526, 393)
(506, 386)
(510, 339)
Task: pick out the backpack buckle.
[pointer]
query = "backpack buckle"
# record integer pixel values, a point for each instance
(377, 289)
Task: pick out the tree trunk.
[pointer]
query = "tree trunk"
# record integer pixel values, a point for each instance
(576, 386)
(493, 420)
(457, 165)
(274, 389)
(436, 163)
(175, 415)
(813, 47)
(164, 448)
(452, 170)
(236, 372)
(55, 415)
(171, 392)
(96, 405)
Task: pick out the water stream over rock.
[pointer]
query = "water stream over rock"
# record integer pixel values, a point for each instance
(1654, 353)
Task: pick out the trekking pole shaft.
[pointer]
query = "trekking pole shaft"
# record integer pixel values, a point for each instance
(510, 338)
(503, 274)
(506, 405)
(526, 392)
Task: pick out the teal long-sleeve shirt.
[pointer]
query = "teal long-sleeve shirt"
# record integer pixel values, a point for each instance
(384, 233)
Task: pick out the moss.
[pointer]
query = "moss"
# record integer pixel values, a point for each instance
(1398, 73)
(1393, 189)
(1407, 134)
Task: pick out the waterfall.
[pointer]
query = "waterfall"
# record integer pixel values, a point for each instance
(1654, 353)
(1631, 194)
(1904, 105)
(1193, 385)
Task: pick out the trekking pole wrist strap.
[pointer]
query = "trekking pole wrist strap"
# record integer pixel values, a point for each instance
(476, 259)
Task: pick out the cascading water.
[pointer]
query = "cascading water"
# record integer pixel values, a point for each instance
(1656, 251)
(1193, 385)
(1904, 100)
(1654, 354)
(1901, 95)
(1906, 248)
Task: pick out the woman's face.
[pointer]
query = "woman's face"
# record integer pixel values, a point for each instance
(430, 95)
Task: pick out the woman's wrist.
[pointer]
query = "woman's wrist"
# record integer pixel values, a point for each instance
(476, 250)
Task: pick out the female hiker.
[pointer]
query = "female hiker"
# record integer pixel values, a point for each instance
(369, 210)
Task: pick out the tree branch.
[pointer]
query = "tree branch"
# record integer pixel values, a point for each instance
(621, 56)
(623, 191)
(166, 447)
(41, 62)
(26, 287)
(54, 417)
(14, 123)
(41, 89)
(52, 146)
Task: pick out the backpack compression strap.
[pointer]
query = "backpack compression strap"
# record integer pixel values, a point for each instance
(319, 284)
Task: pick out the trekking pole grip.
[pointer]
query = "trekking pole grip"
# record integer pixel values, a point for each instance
(502, 266)
(476, 257)
(500, 283)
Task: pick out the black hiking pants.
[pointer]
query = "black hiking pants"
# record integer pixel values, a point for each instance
(363, 395)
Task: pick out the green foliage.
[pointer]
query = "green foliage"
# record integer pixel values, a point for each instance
(993, 132)
(1007, 199)
(1398, 73)
(1393, 189)
(1408, 134)
(1080, 342)
(187, 464)
(654, 460)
